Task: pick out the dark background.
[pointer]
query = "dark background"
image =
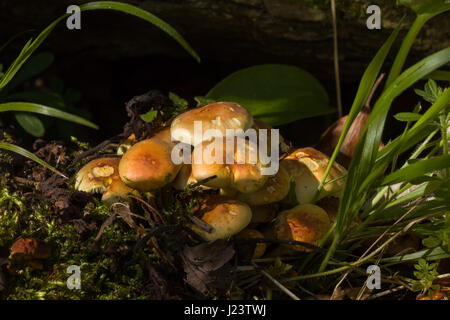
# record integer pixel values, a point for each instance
(116, 56)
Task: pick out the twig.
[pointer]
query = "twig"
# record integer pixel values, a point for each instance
(336, 58)
(278, 284)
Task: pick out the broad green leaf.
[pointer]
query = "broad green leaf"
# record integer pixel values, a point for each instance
(440, 75)
(48, 111)
(274, 93)
(32, 45)
(426, 6)
(407, 116)
(29, 155)
(31, 124)
(417, 169)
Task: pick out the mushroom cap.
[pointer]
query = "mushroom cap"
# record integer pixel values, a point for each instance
(307, 166)
(102, 176)
(226, 216)
(275, 189)
(97, 175)
(148, 165)
(305, 222)
(260, 247)
(164, 135)
(218, 115)
(245, 177)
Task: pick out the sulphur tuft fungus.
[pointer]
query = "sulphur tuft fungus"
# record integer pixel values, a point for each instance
(233, 167)
(102, 176)
(306, 223)
(307, 166)
(148, 165)
(275, 189)
(218, 116)
(225, 216)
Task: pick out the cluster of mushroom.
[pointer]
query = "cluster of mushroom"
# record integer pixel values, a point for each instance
(247, 198)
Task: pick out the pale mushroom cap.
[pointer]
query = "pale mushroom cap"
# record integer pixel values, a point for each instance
(218, 115)
(260, 247)
(245, 177)
(307, 223)
(102, 176)
(148, 165)
(307, 166)
(275, 189)
(97, 175)
(226, 216)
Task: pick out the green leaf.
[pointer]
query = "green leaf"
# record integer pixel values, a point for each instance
(427, 254)
(149, 116)
(417, 169)
(274, 93)
(29, 155)
(431, 242)
(48, 111)
(426, 6)
(407, 116)
(440, 75)
(30, 124)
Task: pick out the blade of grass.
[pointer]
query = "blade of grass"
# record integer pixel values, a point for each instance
(32, 45)
(29, 155)
(48, 111)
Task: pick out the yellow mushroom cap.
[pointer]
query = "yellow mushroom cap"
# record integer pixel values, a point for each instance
(226, 216)
(260, 247)
(275, 189)
(242, 174)
(307, 166)
(306, 223)
(148, 165)
(219, 116)
(102, 176)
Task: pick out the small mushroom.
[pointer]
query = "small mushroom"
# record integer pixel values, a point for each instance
(148, 165)
(102, 176)
(226, 216)
(219, 116)
(260, 247)
(126, 144)
(307, 166)
(242, 173)
(275, 189)
(306, 223)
